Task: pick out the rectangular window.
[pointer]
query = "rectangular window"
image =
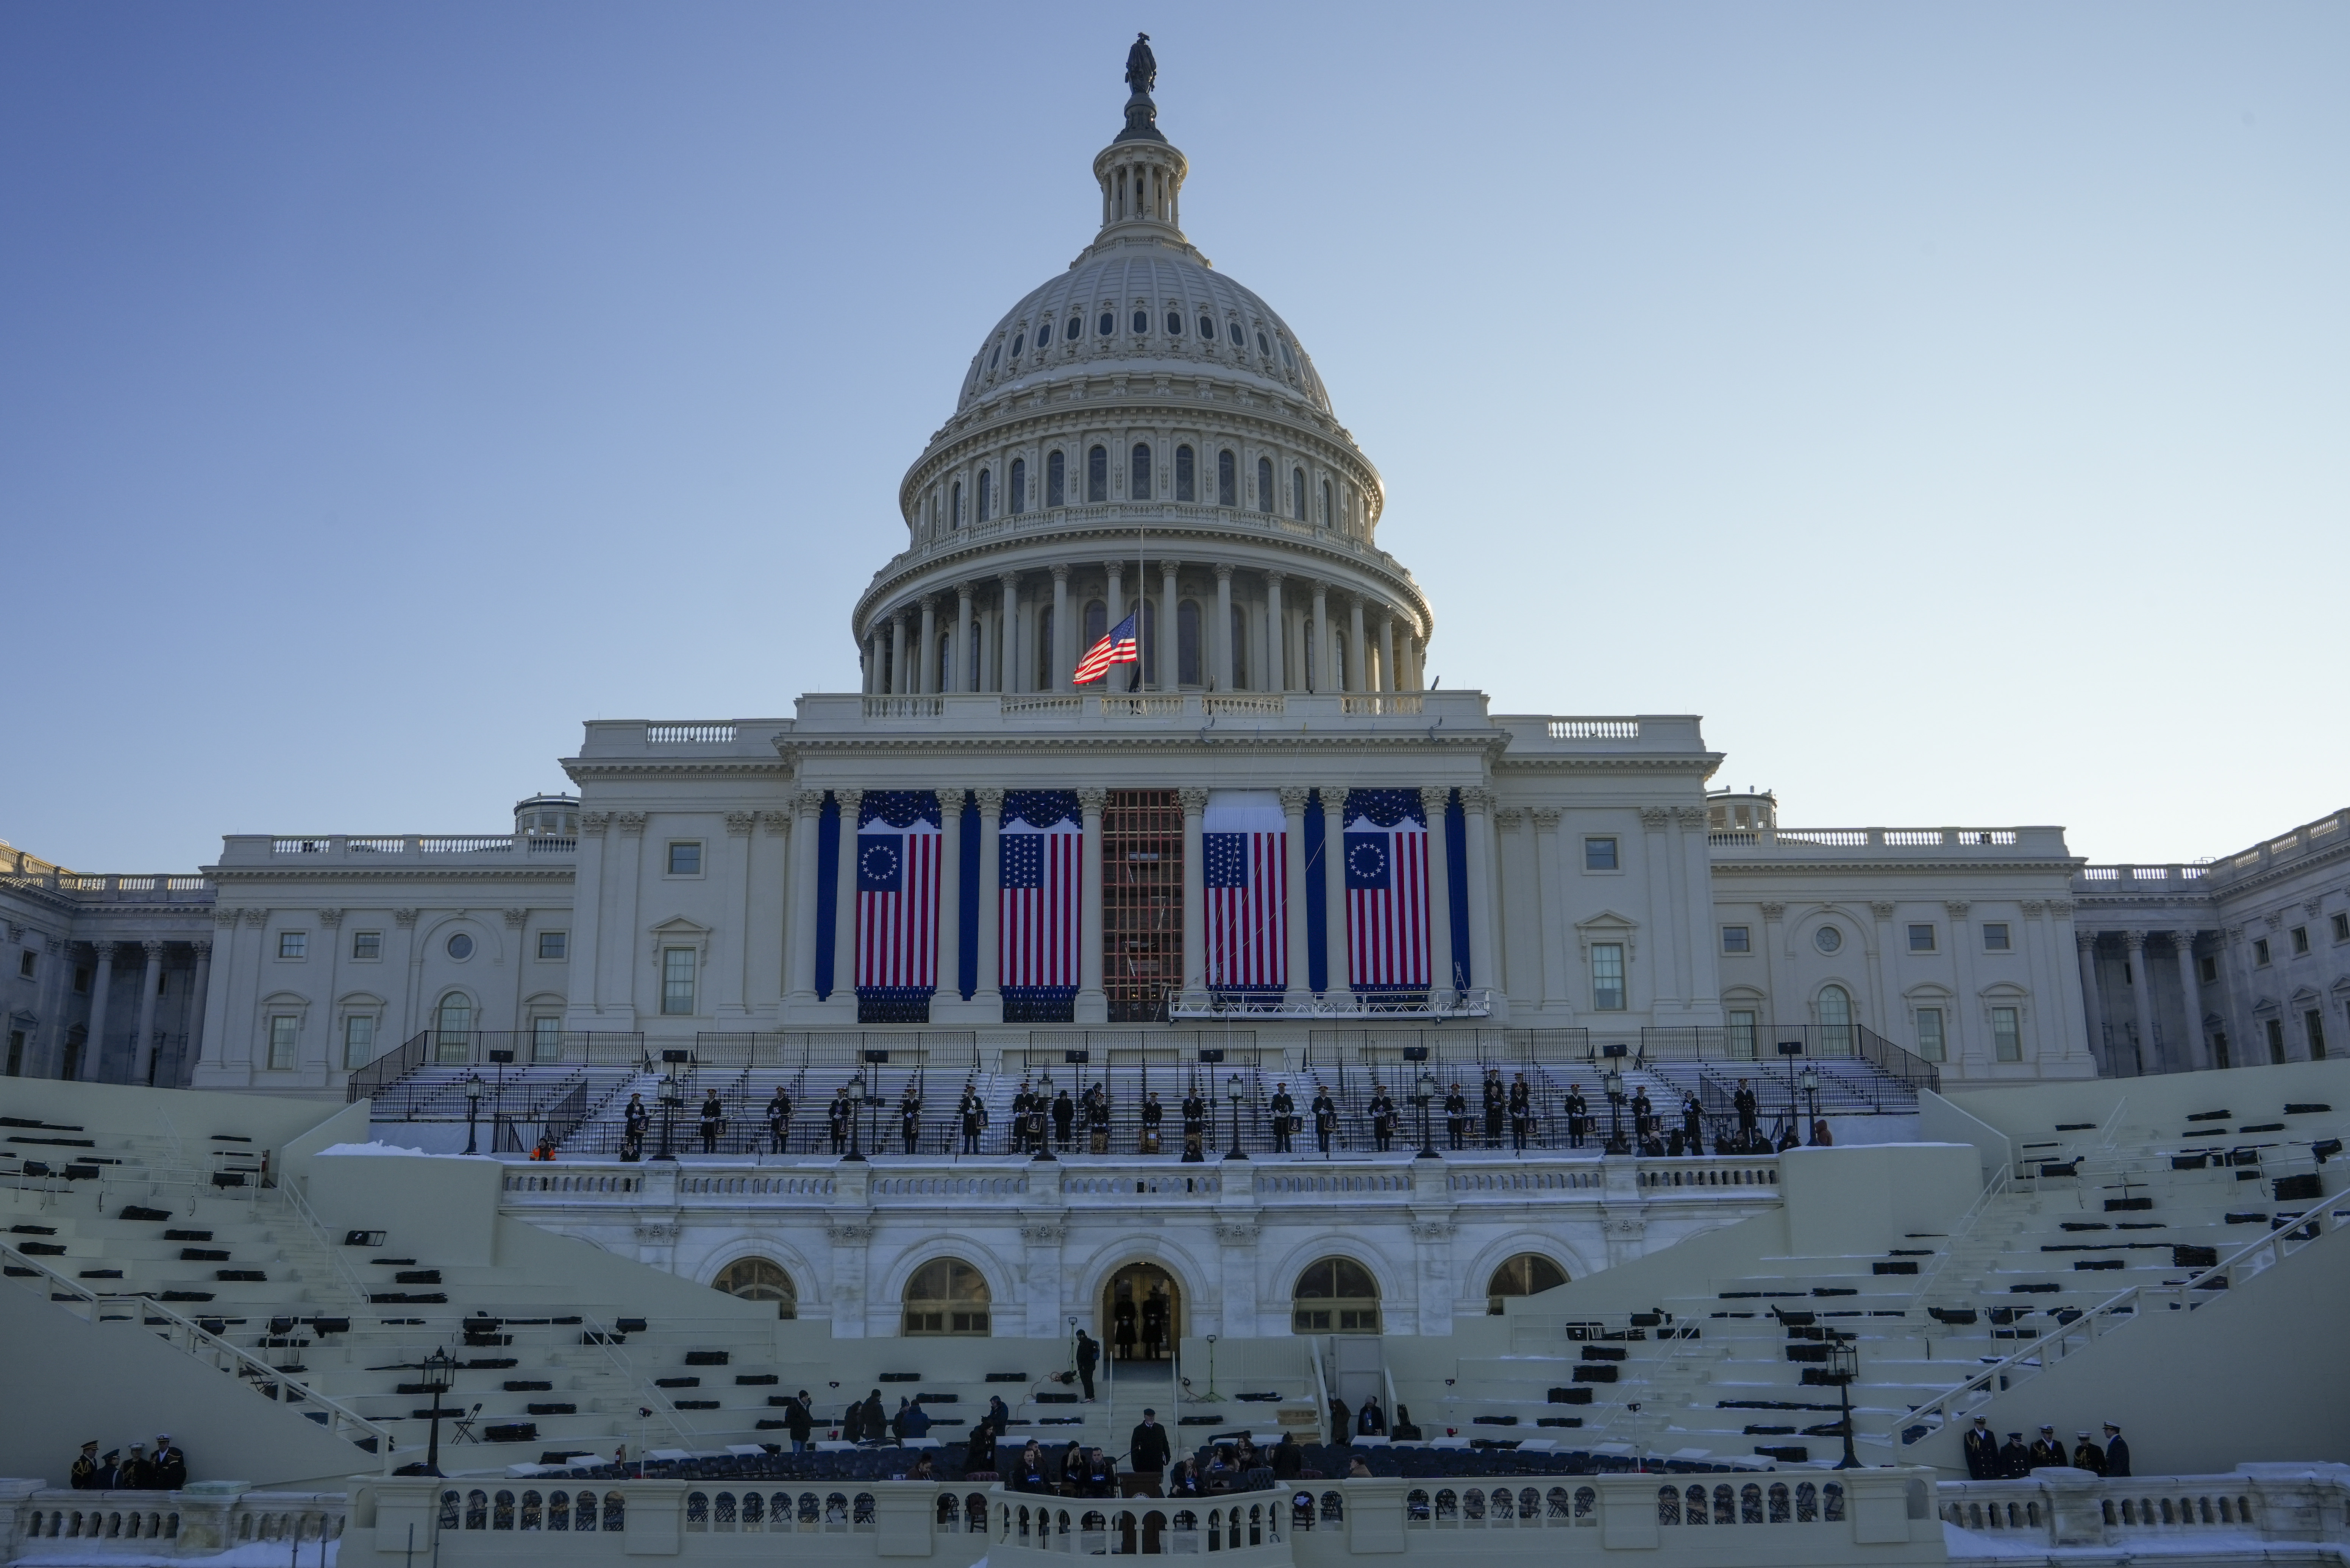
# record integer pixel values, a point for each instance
(1741, 1032)
(2260, 953)
(1996, 939)
(2300, 941)
(2006, 1035)
(82, 979)
(1929, 1034)
(685, 857)
(677, 982)
(1607, 975)
(2313, 1023)
(2342, 927)
(1599, 855)
(1736, 939)
(15, 1053)
(2210, 969)
(1057, 478)
(367, 945)
(358, 1040)
(2276, 1040)
(546, 1038)
(554, 944)
(281, 1042)
(293, 944)
(1921, 938)
(25, 962)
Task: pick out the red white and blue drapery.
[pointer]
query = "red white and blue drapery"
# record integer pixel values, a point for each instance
(897, 916)
(1040, 852)
(1386, 849)
(1245, 848)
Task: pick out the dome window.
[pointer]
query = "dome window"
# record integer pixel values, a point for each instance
(994, 356)
(1287, 357)
(1106, 326)
(1262, 347)
(1264, 484)
(1234, 328)
(1297, 493)
(1141, 323)
(1077, 329)
(1018, 344)
(1056, 475)
(1019, 485)
(1207, 329)
(1044, 335)
(1186, 481)
(1174, 324)
(986, 494)
(1138, 486)
(1227, 477)
(1098, 474)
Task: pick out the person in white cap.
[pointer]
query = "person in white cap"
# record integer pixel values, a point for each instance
(2087, 1455)
(2047, 1449)
(166, 1467)
(1982, 1444)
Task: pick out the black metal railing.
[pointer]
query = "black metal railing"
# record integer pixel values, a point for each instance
(387, 1069)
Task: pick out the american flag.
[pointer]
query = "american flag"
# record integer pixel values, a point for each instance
(898, 842)
(1117, 647)
(1042, 840)
(1387, 891)
(1245, 844)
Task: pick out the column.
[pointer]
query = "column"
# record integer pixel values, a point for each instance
(898, 684)
(2193, 1051)
(988, 999)
(1008, 633)
(799, 935)
(1321, 635)
(1359, 663)
(2141, 1003)
(1114, 600)
(142, 1044)
(872, 661)
(1222, 639)
(587, 912)
(1509, 866)
(1295, 958)
(1276, 667)
(988, 676)
(1977, 1053)
(100, 985)
(624, 956)
(844, 909)
(1388, 682)
(965, 664)
(926, 664)
(2092, 1003)
(1663, 968)
(1477, 805)
(950, 982)
(1433, 799)
(1550, 892)
(200, 991)
(1880, 961)
(1170, 669)
(1334, 889)
(1092, 1005)
(1195, 888)
(1057, 677)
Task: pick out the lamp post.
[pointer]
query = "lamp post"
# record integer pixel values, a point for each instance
(1843, 1366)
(473, 1108)
(668, 1116)
(440, 1372)
(1043, 1122)
(857, 1101)
(1236, 1092)
(1421, 1094)
(1810, 1081)
(1611, 1078)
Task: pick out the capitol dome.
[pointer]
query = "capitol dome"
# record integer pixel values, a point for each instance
(1141, 434)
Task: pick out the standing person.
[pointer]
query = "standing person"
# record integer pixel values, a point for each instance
(1456, 1116)
(799, 1419)
(1122, 1324)
(136, 1474)
(1821, 1136)
(779, 1121)
(1148, 1450)
(1089, 1357)
(1644, 1117)
(978, 1453)
(1578, 1116)
(2014, 1458)
(914, 1421)
(975, 1118)
(2047, 1449)
(1522, 1113)
(634, 1120)
(909, 1118)
(1692, 1122)
(1065, 1116)
(837, 1117)
(1749, 1110)
(1383, 1118)
(1195, 1116)
(714, 1119)
(83, 1475)
(1097, 1118)
(1496, 1106)
(1368, 1421)
(109, 1477)
(1284, 1112)
(1325, 1119)
(2087, 1455)
(2116, 1451)
(1981, 1446)
(1152, 1115)
(167, 1466)
(1342, 1421)
(1154, 1323)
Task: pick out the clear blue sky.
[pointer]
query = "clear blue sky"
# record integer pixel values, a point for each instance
(1949, 402)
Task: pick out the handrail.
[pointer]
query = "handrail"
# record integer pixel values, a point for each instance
(2000, 1375)
(604, 1338)
(1995, 1188)
(387, 1069)
(299, 1207)
(282, 1387)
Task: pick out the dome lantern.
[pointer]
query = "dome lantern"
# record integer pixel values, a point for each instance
(1141, 173)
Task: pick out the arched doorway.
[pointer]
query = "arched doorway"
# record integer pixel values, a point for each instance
(1523, 1275)
(1141, 1312)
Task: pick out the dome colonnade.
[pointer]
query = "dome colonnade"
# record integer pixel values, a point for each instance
(1142, 433)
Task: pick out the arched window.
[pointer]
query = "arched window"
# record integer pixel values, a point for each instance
(1328, 517)
(1056, 475)
(1186, 643)
(1098, 474)
(1097, 624)
(1208, 330)
(1044, 335)
(1522, 1276)
(1107, 325)
(957, 522)
(1077, 329)
(757, 1280)
(455, 1021)
(986, 494)
(946, 661)
(1146, 628)
(1019, 497)
(1047, 672)
(1187, 486)
(1137, 479)
(1297, 493)
(1174, 324)
(1336, 1295)
(1227, 478)
(946, 1296)
(1240, 649)
(1836, 1020)
(1018, 344)
(1141, 323)
(1264, 484)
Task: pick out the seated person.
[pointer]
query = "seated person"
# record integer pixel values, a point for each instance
(921, 1470)
(1095, 1477)
(1403, 1430)
(1223, 1474)
(1028, 1470)
(1357, 1470)
(1186, 1481)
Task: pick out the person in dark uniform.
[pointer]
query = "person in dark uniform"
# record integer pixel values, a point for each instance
(1692, 1123)
(1496, 1107)
(2087, 1455)
(1065, 1116)
(83, 1475)
(972, 1113)
(166, 1467)
(1644, 1118)
(1383, 1118)
(713, 1121)
(1750, 1110)
(909, 1118)
(779, 1121)
(1522, 1113)
(2047, 1449)
(2116, 1451)
(1578, 1116)
(1326, 1118)
(1195, 1116)
(1284, 1112)
(1456, 1116)
(1154, 1323)
(1982, 1444)
(1089, 1357)
(837, 1117)
(1152, 1115)
(1148, 1450)
(634, 1120)
(1123, 1318)
(2014, 1458)
(1097, 1118)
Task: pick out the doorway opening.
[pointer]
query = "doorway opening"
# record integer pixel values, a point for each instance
(1141, 1312)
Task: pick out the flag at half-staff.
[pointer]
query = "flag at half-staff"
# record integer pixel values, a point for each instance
(1119, 647)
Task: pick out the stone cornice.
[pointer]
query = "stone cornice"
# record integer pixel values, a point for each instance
(314, 874)
(1770, 867)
